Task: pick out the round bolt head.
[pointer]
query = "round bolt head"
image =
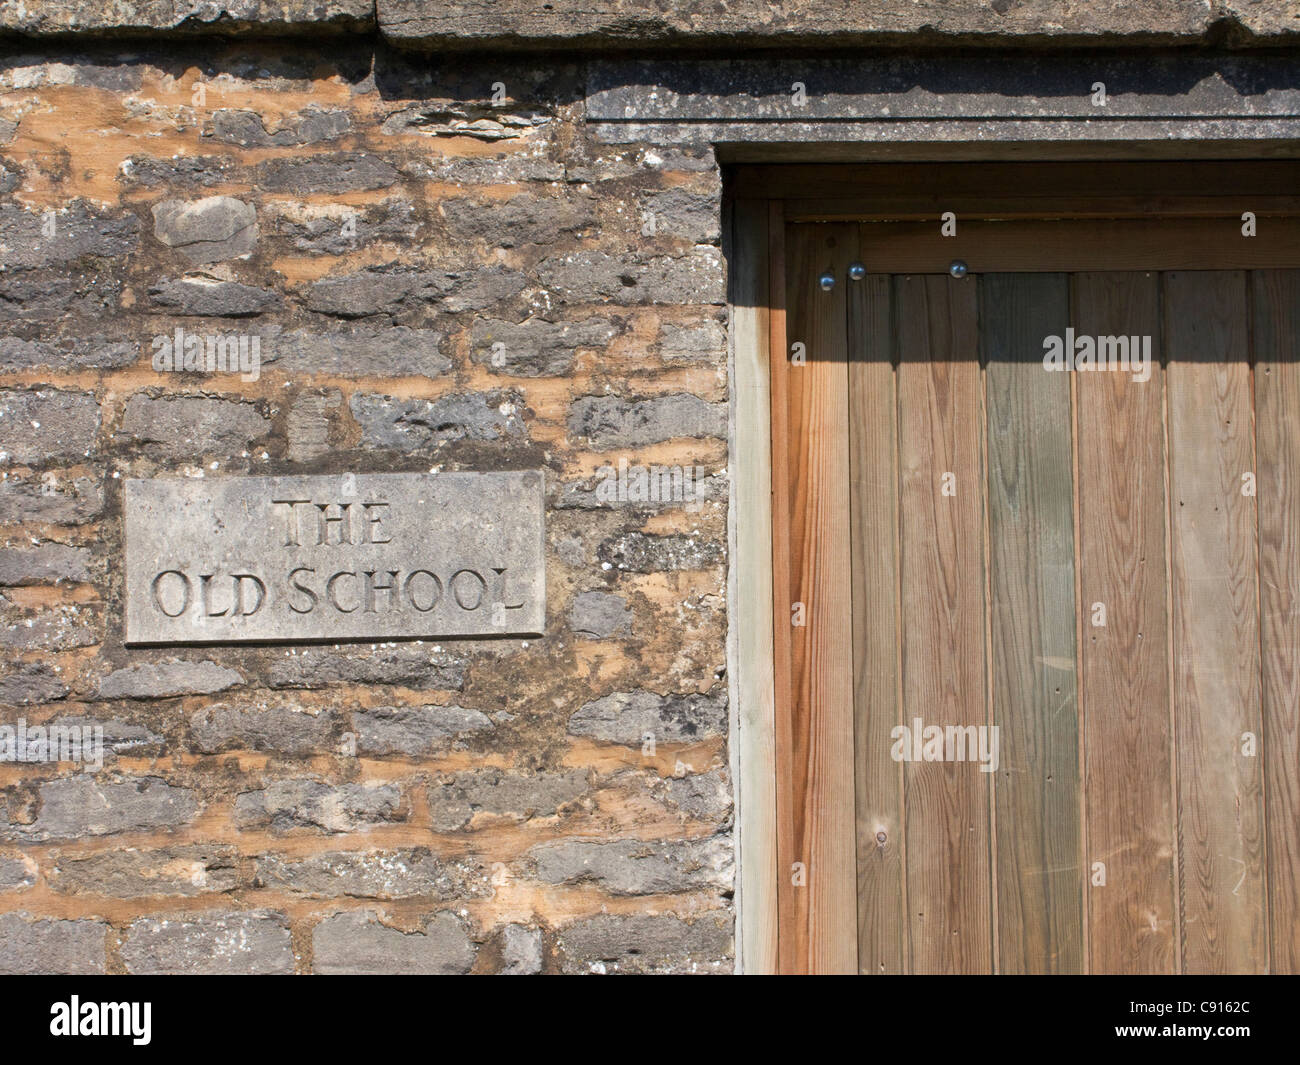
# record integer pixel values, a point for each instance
(827, 281)
(857, 271)
(958, 268)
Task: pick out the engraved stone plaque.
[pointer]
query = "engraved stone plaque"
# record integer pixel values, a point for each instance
(338, 557)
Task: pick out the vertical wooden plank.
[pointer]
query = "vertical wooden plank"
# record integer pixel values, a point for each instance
(1032, 657)
(749, 590)
(873, 478)
(942, 562)
(1276, 334)
(1216, 665)
(818, 917)
(1127, 782)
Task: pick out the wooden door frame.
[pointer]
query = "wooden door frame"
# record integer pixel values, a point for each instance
(760, 200)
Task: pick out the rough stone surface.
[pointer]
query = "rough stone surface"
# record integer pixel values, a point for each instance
(331, 230)
(54, 497)
(524, 219)
(135, 873)
(209, 944)
(94, 806)
(628, 717)
(414, 731)
(419, 424)
(706, 342)
(16, 872)
(370, 874)
(683, 213)
(313, 418)
(87, 353)
(632, 867)
(40, 946)
(344, 172)
(285, 805)
(31, 682)
(521, 951)
(646, 944)
(45, 564)
(359, 943)
(246, 129)
(32, 239)
(186, 426)
(612, 422)
(371, 292)
(46, 424)
(645, 553)
(207, 230)
(600, 615)
(415, 667)
(119, 737)
(58, 628)
(705, 796)
(585, 276)
(211, 297)
(456, 804)
(393, 291)
(162, 680)
(151, 16)
(536, 348)
(284, 729)
(754, 24)
(360, 352)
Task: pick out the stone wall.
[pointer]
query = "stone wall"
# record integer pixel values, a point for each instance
(442, 272)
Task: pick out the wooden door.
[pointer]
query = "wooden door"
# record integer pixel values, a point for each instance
(1086, 580)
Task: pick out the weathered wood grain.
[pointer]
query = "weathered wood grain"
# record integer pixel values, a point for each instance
(1276, 334)
(873, 488)
(1216, 663)
(1126, 710)
(1032, 656)
(815, 777)
(943, 625)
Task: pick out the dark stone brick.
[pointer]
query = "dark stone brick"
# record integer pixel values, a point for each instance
(43, 564)
(600, 615)
(411, 667)
(627, 717)
(206, 297)
(186, 427)
(642, 943)
(209, 944)
(33, 239)
(341, 172)
(164, 680)
(614, 422)
(644, 553)
(358, 943)
(420, 424)
(44, 424)
(40, 946)
(85, 805)
(54, 496)
(284, 805)
(536, 348)
(310, 126)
